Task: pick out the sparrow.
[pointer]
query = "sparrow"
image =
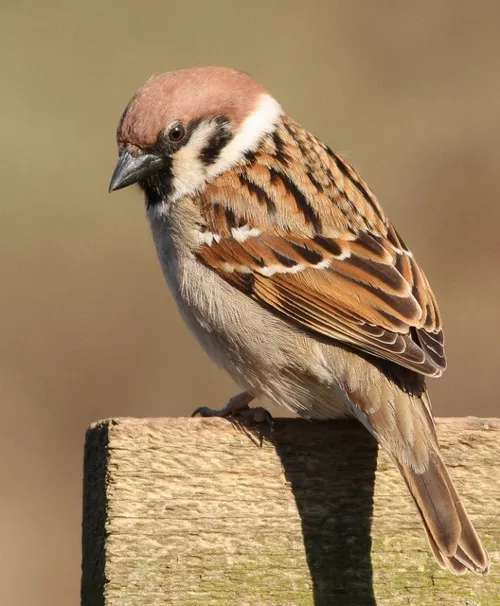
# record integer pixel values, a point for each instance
(290, 275)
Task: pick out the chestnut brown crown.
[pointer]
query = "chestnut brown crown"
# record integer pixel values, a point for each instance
(186, 95)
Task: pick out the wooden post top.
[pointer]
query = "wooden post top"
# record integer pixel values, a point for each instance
(198, 512)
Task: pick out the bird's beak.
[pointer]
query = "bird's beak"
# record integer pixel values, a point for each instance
(130, 169)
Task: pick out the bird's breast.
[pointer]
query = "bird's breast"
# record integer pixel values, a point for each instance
(263, 353)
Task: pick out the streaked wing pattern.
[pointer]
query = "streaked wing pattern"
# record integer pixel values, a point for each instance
(347, 276)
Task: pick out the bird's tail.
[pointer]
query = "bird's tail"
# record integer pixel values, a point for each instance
(452, 537)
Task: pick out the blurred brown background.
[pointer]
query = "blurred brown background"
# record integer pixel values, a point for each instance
(408, 92)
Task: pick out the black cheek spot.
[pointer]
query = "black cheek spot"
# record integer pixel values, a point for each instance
(219, 139)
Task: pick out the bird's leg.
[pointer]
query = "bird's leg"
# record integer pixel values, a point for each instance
(238, 409)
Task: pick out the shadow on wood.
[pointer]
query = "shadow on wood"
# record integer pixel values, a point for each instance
(337, 532)
(94, 516)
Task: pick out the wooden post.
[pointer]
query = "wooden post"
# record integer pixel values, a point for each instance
(193, 512)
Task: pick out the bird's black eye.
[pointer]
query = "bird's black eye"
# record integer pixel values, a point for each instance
(176, 133)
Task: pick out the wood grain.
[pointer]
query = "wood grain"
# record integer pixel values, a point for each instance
(195, 512)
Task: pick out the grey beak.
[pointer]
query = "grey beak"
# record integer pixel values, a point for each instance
(130, 169)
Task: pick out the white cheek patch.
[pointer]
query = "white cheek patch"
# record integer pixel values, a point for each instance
(188, 171)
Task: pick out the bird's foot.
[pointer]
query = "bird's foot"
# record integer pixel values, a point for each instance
(238, 411)
(235, 407)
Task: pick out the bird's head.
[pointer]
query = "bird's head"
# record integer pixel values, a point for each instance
(184, 128)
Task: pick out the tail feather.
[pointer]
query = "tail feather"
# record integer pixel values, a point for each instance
(452, 537)
(394, 406)
(451, 564)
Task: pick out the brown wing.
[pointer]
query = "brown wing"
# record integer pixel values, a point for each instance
(298, 231)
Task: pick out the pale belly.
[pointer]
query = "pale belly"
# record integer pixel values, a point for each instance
(263, 354)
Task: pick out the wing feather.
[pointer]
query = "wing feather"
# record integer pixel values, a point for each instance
(314, 247)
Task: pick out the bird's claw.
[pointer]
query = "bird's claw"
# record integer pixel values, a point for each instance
(205, 411)
(239, 412)
(258, 415)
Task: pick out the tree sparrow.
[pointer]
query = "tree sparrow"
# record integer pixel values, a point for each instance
(289, 273)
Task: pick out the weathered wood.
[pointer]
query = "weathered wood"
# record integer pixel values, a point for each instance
(192, 512)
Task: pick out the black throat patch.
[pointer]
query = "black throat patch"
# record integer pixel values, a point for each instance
(158, 187)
